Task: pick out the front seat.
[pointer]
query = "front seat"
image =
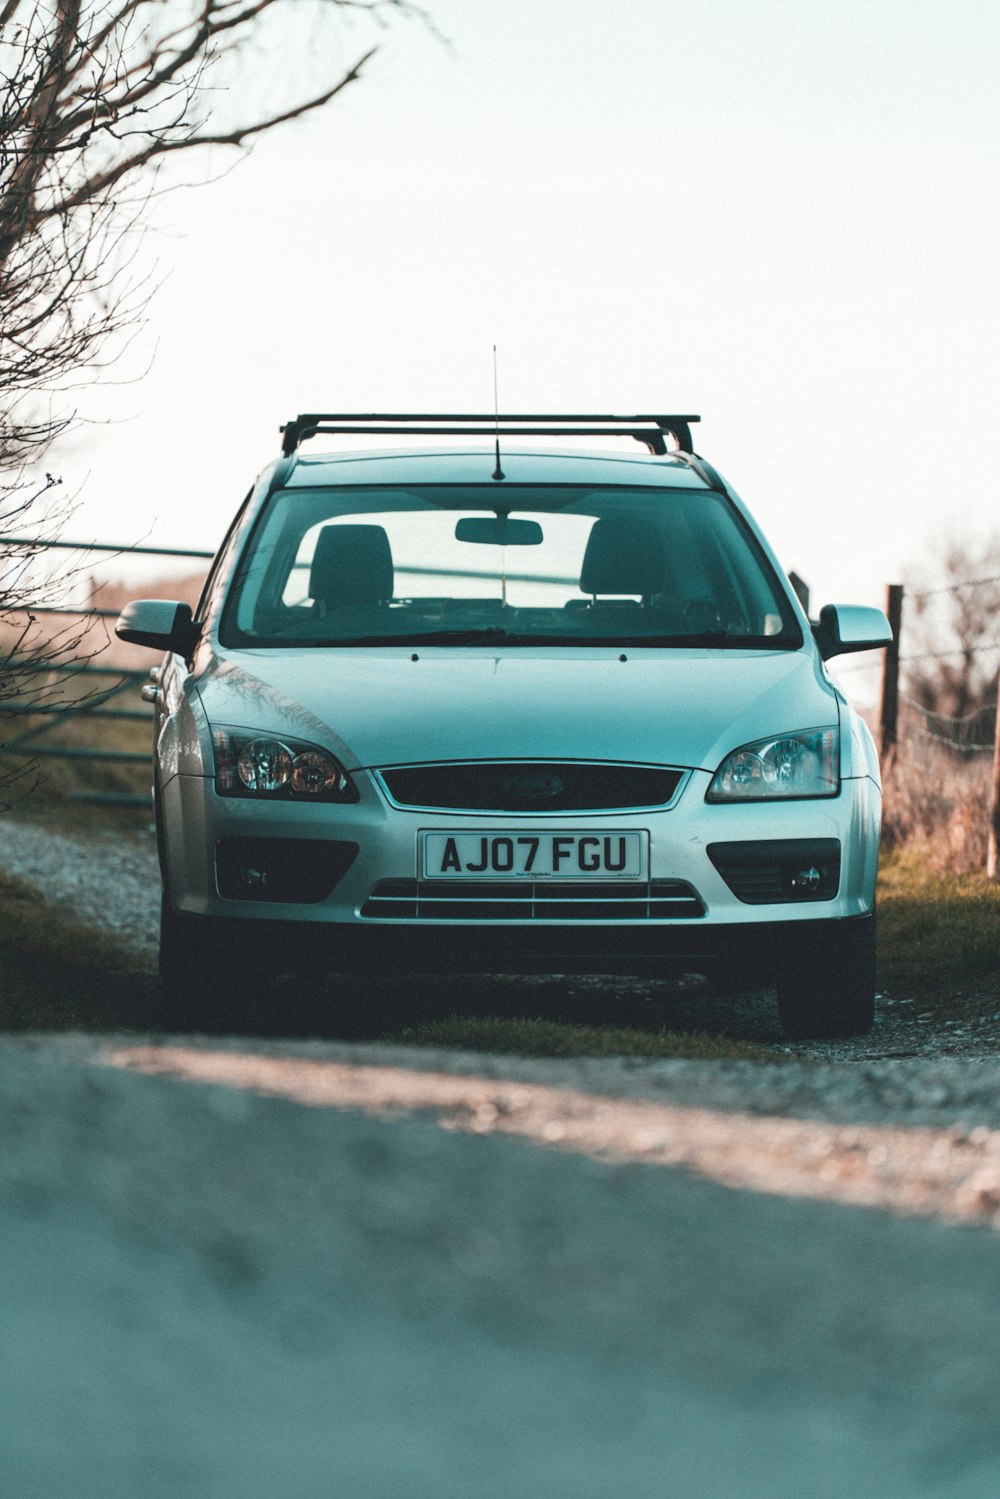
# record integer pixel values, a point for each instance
(625, 555)
(351, 565)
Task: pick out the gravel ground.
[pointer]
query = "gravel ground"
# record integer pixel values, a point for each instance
(78, 873)
(299, 1268)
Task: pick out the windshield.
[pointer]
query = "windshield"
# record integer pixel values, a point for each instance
(453, 565)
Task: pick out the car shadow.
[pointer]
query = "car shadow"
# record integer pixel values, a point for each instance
(382, 1006)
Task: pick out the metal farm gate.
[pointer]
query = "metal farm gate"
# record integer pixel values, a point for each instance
(98, 701)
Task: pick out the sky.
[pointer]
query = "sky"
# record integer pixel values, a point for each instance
(782, 215)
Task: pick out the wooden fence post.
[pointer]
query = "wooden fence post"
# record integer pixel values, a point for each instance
(992, 854)
(890, 672)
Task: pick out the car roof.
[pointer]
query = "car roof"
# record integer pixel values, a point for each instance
(476, 465)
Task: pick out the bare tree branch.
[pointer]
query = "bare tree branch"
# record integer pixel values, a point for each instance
(95, 95)
(103, 184)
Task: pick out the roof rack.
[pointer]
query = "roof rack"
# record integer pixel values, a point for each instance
(651, 430)
(706, 473)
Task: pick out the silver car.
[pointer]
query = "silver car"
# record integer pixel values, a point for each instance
(480, 706)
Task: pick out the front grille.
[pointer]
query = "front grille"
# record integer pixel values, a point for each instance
(530, 786)
(531, 900)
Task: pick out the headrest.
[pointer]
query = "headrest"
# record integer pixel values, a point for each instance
(624, 556)
(351, 565)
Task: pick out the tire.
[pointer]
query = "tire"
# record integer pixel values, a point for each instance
(829, 990)
(203, 985)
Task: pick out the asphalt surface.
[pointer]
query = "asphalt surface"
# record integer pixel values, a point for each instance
(208, 1292)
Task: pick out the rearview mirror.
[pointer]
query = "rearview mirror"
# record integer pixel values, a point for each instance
(499, 531)
(850, 627)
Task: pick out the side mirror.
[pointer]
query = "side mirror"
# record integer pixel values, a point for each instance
(850, 627)
(160, 624)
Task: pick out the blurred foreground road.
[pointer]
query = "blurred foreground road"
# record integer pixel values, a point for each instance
(222, 1278)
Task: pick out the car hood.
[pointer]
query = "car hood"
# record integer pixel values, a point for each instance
(390, 707)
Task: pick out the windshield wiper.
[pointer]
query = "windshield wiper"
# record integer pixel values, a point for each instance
(721, 638)
(494, 635)
(486, 636)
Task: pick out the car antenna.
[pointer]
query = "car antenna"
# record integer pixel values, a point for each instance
(498, 472)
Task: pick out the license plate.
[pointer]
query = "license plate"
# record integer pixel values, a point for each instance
(534, 856)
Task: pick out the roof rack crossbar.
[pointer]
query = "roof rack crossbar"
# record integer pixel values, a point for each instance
(651, 430)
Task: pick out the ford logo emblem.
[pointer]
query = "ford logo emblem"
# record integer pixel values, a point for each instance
(540, 787)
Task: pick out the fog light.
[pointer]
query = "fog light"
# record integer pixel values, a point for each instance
(769, 871)
(298, 871)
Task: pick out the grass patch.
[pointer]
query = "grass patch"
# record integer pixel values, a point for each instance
(939, 933)
(58, 974)
(527, 1036)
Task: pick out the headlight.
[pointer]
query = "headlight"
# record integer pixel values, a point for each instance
(281, 769)
(793, 765)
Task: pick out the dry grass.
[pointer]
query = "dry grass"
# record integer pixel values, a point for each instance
(937, 804)
(938, 936)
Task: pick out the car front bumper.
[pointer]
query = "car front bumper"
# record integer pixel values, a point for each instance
(379, 849)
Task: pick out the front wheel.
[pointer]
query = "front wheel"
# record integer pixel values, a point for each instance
(202, 981)
(828, 990)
